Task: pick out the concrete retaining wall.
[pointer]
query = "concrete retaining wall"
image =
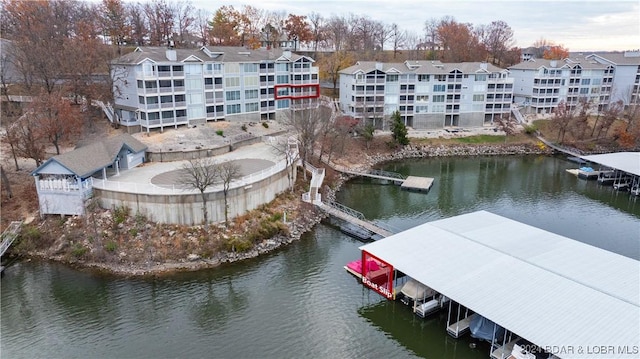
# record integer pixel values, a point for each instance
(186, 209)
(204, 152)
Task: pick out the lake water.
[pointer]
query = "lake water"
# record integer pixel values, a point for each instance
(299, 301)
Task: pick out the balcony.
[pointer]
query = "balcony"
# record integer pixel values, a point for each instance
(166, 89)
(164, 74)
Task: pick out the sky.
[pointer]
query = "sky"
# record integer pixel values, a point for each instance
(585, 25)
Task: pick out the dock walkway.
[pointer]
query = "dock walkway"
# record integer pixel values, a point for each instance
(354, 219)
(9, 235)
(411, 183)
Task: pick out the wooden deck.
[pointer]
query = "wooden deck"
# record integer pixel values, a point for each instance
(415, 183)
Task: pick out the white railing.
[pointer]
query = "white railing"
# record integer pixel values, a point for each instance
(149, 188)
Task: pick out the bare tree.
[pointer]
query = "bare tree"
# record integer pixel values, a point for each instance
(202, 26)
(200, 174)
(185, 20)
(498, 39)
(26, 139)
(563, 116)
(507, 124)
(287, 148)
(307, 123)
(5, 181)
(227, 172)
(317, 30)
(398, 38)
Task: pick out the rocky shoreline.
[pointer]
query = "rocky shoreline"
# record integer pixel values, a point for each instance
(297, 227)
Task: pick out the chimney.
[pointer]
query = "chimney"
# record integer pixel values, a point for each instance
(172, 55)
(286, 53)
(379, 66)
(553, 63)
(484, 66)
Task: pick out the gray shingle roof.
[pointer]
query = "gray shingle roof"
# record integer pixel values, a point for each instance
(620, 58)
(86, 160)
(224, 54)
(572, 62)
(420, 67)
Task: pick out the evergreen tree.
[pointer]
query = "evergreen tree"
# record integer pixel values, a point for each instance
(399, 129)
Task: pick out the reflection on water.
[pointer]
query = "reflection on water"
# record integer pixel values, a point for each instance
(299, 301)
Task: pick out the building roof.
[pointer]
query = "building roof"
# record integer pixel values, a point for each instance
(546, 288)
(206, 54)
(86, 160)
(625, 161)
(421, 67)
(571, 62)
(619, 58)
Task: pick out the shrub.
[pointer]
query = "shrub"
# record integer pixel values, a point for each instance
(78, 250)
(120, 214)
(244, 128)
(530, 129)
(220, 133)
(265, 125)
(111, 246)
(133, 232)
(235, 244)
(31, 233)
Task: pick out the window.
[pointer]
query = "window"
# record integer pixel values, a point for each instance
(422, 109)
(283, 91)
(423, 78)
(251, 107)
(439, 88)
(585, 81)
(481, 78)
(422, 98)
(250, 68)
(282, 104)
(140, 84)
(231, 109)
(438, 98)
(250, 94)
(231, 68)
(584, 91)
(141, 100)
(282, 79)
(392, 78)
(282, 67)
(232, 82)
(193, 69)
(251, 81)
(478, 98)
(233, 95)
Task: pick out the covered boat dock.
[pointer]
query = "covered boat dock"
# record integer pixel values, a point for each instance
(571, 299)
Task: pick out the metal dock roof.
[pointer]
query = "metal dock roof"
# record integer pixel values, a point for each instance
(625, 161)
(549, 289)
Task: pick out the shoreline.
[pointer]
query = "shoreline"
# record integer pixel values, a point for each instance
(298, 227)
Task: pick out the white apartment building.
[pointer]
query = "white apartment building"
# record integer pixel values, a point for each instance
(157, 87)
(428, 94)
(540, 85)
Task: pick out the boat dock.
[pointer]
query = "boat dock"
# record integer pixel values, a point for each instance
(410, 183)
(519, 282)
(414, 183)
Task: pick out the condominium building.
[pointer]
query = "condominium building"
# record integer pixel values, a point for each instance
(156, 87)
(626, 75)
(428, 94)
(540, 85)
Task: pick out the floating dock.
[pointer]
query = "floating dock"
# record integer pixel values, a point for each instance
(415, 183)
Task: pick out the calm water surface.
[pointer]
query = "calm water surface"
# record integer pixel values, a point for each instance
(299, 302)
